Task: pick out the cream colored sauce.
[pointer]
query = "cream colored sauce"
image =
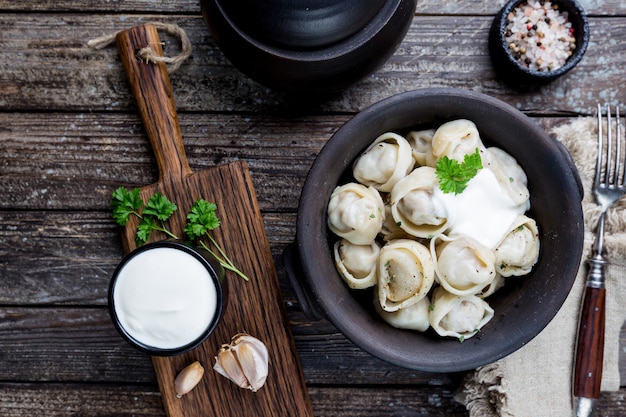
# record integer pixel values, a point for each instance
(165, 298)
(483, 211)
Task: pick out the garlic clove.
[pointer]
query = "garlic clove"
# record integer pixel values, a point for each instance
(188, 378)
(254, 363)
(226, 364)
(244, 361)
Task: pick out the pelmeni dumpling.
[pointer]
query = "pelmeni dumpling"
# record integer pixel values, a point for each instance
(413, 207)
(454, 139)
(414, 317)
(497, 283)
(356, 213)
(458, 316)
(518, 252)
(357, 263)
(384, 162)
(405, 274)
(391, 230)
(464, 266)
(421, 142)
(509, 174)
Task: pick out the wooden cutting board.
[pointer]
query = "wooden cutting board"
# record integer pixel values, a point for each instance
(256, 306)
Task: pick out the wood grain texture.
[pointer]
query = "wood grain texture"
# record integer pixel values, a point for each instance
(590, 347)
(253, 307)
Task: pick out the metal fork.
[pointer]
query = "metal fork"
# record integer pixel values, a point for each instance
(608, 186)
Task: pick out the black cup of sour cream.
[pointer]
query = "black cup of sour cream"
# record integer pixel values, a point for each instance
(165, 298)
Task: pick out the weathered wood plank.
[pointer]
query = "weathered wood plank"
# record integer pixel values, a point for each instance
(75, 161)
(436, 7)
(112, 6)
(61, 400)
(56, 400)
(56, 258)
(102, 400)
(51, 68)
(67, 344)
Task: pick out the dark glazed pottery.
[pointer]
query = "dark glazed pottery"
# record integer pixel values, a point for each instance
(522, 308)
(516, 74)
(301, 24)
(317, 48)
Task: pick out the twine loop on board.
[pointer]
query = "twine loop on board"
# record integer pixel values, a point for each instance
(146, 53)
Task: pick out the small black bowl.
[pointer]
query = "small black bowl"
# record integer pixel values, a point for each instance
(315, 48)
(510, 70)
(184, 253)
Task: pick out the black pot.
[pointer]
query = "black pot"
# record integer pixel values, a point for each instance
(522, 308)
(317, 48)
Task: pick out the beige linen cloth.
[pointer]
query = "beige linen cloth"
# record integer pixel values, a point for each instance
(536, 381)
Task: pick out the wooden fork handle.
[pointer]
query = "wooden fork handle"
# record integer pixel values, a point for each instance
(590, 344)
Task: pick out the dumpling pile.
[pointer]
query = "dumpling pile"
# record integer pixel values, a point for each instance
(433, 257)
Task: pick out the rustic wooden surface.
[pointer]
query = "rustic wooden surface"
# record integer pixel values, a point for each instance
(70, 134)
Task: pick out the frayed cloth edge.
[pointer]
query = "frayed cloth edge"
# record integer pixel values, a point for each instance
(484, 392)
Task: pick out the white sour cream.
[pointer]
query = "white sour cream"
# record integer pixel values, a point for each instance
(483, 211)
(164, 298)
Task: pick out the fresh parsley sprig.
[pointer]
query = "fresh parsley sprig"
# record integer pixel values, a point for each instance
(152, 215)
(201, 220)
(125, 204)
(454, 176)
(156, 212)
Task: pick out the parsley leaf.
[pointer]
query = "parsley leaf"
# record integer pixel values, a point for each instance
(144, 229)
(160, 207)
(125, 203)
(454, 176)
(153, 216)
(201, 220)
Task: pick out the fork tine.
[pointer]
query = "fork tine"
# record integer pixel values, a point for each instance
(623, 158)
(618, 149)
(609, 147)
(596, 179)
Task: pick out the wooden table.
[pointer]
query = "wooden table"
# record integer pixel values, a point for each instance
(70, 134)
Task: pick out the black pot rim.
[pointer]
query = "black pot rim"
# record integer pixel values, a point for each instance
(369, 31)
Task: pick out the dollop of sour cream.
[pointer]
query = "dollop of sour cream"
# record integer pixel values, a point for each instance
(164, 298)
(483, 211)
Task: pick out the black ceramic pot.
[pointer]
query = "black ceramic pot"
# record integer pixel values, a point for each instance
(317, 47)
(522, 308)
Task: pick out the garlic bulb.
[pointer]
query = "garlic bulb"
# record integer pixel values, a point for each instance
(188, 378)
(244, 361)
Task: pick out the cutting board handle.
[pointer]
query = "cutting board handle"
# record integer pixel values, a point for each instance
(150, 84)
